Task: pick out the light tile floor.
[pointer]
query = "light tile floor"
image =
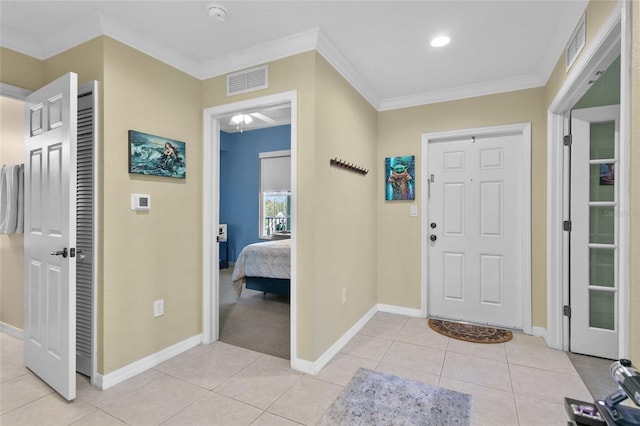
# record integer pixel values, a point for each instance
(520, 382)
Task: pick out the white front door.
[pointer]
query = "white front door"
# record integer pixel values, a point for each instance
(475, 255)
(50, 234)
(594, 232)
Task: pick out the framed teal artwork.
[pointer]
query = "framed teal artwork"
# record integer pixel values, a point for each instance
(157, 156)
(400, 173)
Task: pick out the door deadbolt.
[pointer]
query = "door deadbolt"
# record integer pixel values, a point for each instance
(433, 225)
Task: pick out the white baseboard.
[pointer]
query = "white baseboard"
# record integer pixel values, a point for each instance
(314, 367)
(400, 310)
(539, 331)
(11, 331)
(137, 367)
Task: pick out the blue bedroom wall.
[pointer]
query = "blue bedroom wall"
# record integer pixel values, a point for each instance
(240, 182)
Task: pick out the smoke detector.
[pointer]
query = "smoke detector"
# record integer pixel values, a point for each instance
(217, 11)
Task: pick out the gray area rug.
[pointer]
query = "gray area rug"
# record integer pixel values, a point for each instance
(374, 398)
(595, 374)
(254, 321)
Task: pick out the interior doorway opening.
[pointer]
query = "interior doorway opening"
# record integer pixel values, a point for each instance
(213, 123)
(255, 216)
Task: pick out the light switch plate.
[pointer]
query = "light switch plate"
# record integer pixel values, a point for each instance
(414, 210)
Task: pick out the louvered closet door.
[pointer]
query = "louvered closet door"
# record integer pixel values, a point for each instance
(84, 236)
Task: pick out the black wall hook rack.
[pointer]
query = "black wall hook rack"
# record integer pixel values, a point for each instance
(348, 166)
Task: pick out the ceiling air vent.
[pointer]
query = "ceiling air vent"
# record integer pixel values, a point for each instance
(247, 80)
(576, 42)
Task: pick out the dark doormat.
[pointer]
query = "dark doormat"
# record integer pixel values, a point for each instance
(470, 332)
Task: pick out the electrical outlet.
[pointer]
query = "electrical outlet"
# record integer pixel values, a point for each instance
(158, 308)
(344, 296)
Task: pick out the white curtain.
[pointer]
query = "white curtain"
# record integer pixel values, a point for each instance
(12, 199)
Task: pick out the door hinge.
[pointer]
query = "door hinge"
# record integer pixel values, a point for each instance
(567, 140)
(566, 225)
(566, 311)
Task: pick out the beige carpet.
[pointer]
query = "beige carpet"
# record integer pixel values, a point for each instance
(254, 321)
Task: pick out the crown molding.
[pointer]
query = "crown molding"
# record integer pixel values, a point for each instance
(263, 53)
(98, 24)
(148, 46)
(332, 54)
(462, 92)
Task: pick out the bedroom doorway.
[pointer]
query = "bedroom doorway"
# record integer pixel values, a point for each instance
(216, 254)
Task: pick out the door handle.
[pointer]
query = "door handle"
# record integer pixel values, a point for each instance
(433, 237)
(62, 252)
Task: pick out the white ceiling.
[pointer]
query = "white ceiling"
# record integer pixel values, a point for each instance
(381, 47)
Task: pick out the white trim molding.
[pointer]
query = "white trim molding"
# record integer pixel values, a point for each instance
(13, 91)
(144, 364)
(211, 204)
(612, 39)
(523, 129)
(400, 310)
(314, 367)
(11, 330)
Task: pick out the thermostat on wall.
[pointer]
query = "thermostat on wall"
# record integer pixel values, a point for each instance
(140, 202)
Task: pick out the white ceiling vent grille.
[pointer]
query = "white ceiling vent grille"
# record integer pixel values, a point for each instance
(576, 42)
(248, 80)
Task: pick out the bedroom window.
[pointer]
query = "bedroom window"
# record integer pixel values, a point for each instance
(275, 193)
(277, 218)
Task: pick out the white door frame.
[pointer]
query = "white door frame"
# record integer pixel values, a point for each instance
(613, 39)
(211, 206)
(523, 129)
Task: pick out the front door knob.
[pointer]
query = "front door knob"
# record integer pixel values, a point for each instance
(62, 252)
(433, 238)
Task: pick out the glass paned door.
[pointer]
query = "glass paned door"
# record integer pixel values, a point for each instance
(594, 232)
(602, 224)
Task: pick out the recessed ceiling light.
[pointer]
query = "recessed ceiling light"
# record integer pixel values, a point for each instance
(440, 41)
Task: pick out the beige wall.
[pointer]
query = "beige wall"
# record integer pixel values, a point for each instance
(345, 214)
(634, 312)
(21, 70)
(335, 211)
(292, 73)
(11, 245)
(157, 254)
(399, 133)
